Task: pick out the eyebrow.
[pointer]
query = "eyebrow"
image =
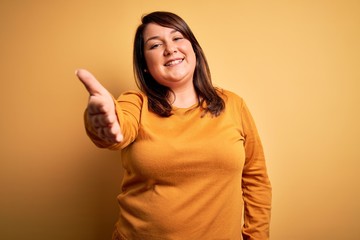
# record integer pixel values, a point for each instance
(156, 37)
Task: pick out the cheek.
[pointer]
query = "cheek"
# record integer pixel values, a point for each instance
(190, 52)
(193, 58)
(151, 60)
(153, 65)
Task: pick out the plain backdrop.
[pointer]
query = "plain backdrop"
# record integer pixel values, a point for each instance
(296, 63)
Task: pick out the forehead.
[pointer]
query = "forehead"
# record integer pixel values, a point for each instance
(154, 30)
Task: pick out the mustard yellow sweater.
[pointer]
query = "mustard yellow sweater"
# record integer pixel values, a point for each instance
(188, 177)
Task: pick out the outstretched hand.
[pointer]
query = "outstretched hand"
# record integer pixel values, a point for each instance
(101, 112)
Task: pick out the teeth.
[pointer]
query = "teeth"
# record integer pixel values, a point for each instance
(174, 62)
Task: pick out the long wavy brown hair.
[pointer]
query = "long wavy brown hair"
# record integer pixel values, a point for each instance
(158, 95)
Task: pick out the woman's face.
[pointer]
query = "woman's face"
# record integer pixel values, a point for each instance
(169, 56)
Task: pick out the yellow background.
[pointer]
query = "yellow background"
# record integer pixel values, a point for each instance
(296, 63)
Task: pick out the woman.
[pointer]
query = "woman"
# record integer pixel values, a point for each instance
(194, 163)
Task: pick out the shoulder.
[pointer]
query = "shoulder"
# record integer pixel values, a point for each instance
(132, 96)
(230, 98)
(132, 93)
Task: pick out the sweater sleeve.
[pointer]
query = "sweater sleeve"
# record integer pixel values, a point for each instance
(128, 110)
(255, 183)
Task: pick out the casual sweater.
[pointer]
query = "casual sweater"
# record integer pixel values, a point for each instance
(189, 176)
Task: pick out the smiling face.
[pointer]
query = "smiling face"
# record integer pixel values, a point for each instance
(169, 56)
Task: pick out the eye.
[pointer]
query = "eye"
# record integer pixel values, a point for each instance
(156, 45)
(177, 38)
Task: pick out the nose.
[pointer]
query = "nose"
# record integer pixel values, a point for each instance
(170, 48)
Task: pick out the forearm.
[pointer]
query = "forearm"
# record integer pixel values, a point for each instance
(257, 203)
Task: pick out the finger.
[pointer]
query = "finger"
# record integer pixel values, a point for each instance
(119, 137)
(103, 120)
(101, 134)
(97, 121)
(97, 106)
(110, 135)
(114, 129)
(92, 85)
(116, 132)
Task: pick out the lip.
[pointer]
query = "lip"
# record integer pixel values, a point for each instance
(174, 62)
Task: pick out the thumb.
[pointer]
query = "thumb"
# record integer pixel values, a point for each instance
(92, 85)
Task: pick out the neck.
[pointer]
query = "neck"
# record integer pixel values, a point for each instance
(184, 98)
